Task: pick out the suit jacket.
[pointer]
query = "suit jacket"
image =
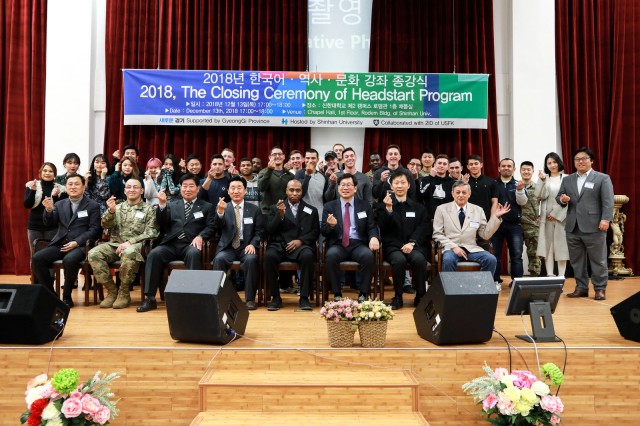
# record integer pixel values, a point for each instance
(447, 230)
(172, 222)
(252, 228)
(593, 204)
(365, 225)
(82, 226)
(305, 226)
(407, 223)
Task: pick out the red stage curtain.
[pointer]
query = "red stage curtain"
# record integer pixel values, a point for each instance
(22, 90)
(430, 36)
(598, 72)
(207, 35)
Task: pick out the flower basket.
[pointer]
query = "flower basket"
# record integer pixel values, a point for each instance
(372, 333)
(341, 333)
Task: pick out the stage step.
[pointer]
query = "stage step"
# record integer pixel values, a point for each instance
(345, 418)
(309, 387)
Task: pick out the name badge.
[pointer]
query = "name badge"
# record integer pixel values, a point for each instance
(474, 225)
(248, 220)
(307, 210)
(198, 215)
(588, 185)
(362, 215)
(411, 214)
(139, 215)
(83, 213)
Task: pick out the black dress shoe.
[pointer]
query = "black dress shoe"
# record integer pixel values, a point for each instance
(600, 295)
(68, 302)
(251, 305)
(275, 304)
(397, 303)
(416, 301)
(363, 297)
(579, 293)
(148, 305)
(304, 304)
(337, 297)
(408, 289)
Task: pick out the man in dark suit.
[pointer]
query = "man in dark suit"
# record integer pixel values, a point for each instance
(78, 220)
(588, 196)
(241, 225)
(351, 233)
(405, 230)
(186, 222)
(292, 229)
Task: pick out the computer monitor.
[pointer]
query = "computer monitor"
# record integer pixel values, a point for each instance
(538, 297)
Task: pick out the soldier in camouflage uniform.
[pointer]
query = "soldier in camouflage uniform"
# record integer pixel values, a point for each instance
(128, 223)
(530, 219)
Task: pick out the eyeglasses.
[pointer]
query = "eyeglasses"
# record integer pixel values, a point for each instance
(277, 154)
(414, 164)
(579, 159)
(346, 185)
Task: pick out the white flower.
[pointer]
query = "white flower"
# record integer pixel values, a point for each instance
(56, 421)
(34, 394)
(50, 412)
(540, 388)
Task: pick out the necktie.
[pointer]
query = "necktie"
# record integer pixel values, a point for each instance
(461, 217)
(236, 238)
(187, 211)
(346, 226)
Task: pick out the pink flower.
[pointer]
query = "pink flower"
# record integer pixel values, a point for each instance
(71, 408)
(552, 404)
(506, 406)
(90, 405)
(102, 416)
(76, 394)
(499, 373)
(525, 378)
(489, 402)
(37, 381)
(554, 420)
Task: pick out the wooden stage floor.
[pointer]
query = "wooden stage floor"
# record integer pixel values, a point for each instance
(159, 383)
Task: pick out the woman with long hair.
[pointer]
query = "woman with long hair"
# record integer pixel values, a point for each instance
(37, 190)
(96, 179)
(125, 170)
(552, 241)
(169, 178)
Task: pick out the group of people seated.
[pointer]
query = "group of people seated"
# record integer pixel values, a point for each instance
(295, 206)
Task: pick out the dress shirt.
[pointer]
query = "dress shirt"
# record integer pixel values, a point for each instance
(353, 232)
(582, 179)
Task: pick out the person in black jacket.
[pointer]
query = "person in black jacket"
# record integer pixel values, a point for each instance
(293, 229)
(406, 232)
(35, 192)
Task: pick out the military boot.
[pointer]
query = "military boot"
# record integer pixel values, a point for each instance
(124, 298)
(111, 296)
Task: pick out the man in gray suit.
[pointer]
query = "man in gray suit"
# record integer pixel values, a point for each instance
(588, 195)
(458, 224)
(241, 225)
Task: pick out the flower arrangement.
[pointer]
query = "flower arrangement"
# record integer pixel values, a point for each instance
(374, 310)
(344, 310)
(63, 400)
(518, 398)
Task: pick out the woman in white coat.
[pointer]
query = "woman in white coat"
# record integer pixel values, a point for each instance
(552, 241)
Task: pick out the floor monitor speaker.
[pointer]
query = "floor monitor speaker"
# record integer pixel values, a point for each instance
(458, 308)
(30, 314)
(626, 314)
(202, 308)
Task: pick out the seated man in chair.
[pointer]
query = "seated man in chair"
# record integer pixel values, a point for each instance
(351, 233)
(78, 221)
(457, 224)
(186, 222)
(241, 226)
(293, 229)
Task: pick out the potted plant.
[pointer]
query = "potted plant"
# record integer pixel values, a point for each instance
(519, 398)
(341, 321)
(373, 316)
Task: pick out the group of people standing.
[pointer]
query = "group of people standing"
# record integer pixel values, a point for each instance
(294, 204)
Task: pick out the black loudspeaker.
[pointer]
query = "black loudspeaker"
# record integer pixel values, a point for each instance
(30, 314)
(458, 308)
(202, 308)
(626, 314)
